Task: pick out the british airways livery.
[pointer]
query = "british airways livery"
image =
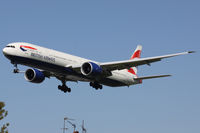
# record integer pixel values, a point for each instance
(65, 67)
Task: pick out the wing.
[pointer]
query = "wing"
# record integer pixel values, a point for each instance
(119, 65)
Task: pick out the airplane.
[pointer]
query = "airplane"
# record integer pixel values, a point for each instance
(46, 63)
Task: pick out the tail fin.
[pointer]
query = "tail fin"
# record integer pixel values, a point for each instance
(136, 54)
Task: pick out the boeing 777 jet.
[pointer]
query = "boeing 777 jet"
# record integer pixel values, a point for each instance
(48, 63)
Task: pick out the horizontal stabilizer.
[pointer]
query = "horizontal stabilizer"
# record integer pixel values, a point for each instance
(151, 77)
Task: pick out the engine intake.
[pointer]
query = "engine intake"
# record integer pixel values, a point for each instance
(91, 69)
(34, 76)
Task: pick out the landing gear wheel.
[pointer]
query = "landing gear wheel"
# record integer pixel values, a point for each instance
(91, 84)
(64, 88)
(69, 90)
(96, 85)
(65, 91)
(60, 87)
(101, 87)
(16, 70)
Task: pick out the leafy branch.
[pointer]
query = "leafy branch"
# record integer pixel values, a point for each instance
(3, 114)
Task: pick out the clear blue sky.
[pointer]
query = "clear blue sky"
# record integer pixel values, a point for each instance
(105, 30)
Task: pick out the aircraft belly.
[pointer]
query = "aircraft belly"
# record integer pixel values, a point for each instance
(114, 80)
(76, 78)
(69, 74)
(111, 82)
(118, 79)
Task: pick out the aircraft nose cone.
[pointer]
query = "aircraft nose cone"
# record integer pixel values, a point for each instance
(4, 51)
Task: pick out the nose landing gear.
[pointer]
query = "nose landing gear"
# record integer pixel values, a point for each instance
(16, 70)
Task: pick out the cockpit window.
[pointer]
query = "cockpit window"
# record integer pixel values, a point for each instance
(10, 46)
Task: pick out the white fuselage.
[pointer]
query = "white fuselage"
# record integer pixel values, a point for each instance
(60, 63)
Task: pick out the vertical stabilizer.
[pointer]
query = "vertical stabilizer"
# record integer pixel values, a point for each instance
(136, 54)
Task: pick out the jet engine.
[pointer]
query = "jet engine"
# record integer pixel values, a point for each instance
(34, 76)
(91, 69)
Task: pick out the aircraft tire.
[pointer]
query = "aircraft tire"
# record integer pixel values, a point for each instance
(101, 87)
(60, 87)
(69, 90)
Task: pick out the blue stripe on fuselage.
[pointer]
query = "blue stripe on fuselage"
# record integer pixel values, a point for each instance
(23, 49)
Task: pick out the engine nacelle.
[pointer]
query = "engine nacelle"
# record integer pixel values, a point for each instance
(91, 69)
(34, 76)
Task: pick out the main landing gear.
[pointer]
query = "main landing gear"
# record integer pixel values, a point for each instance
(96, 85)
(64, 88)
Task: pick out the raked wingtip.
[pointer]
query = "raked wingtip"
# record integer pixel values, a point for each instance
(189, 52)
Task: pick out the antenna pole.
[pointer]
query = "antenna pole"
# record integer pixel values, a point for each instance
(64, 126)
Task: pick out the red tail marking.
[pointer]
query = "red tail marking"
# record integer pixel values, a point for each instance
(136, 54)
(130, 70)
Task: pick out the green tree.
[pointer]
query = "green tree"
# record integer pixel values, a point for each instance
(3, 114)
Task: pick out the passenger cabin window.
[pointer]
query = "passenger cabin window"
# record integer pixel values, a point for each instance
(10, 46)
